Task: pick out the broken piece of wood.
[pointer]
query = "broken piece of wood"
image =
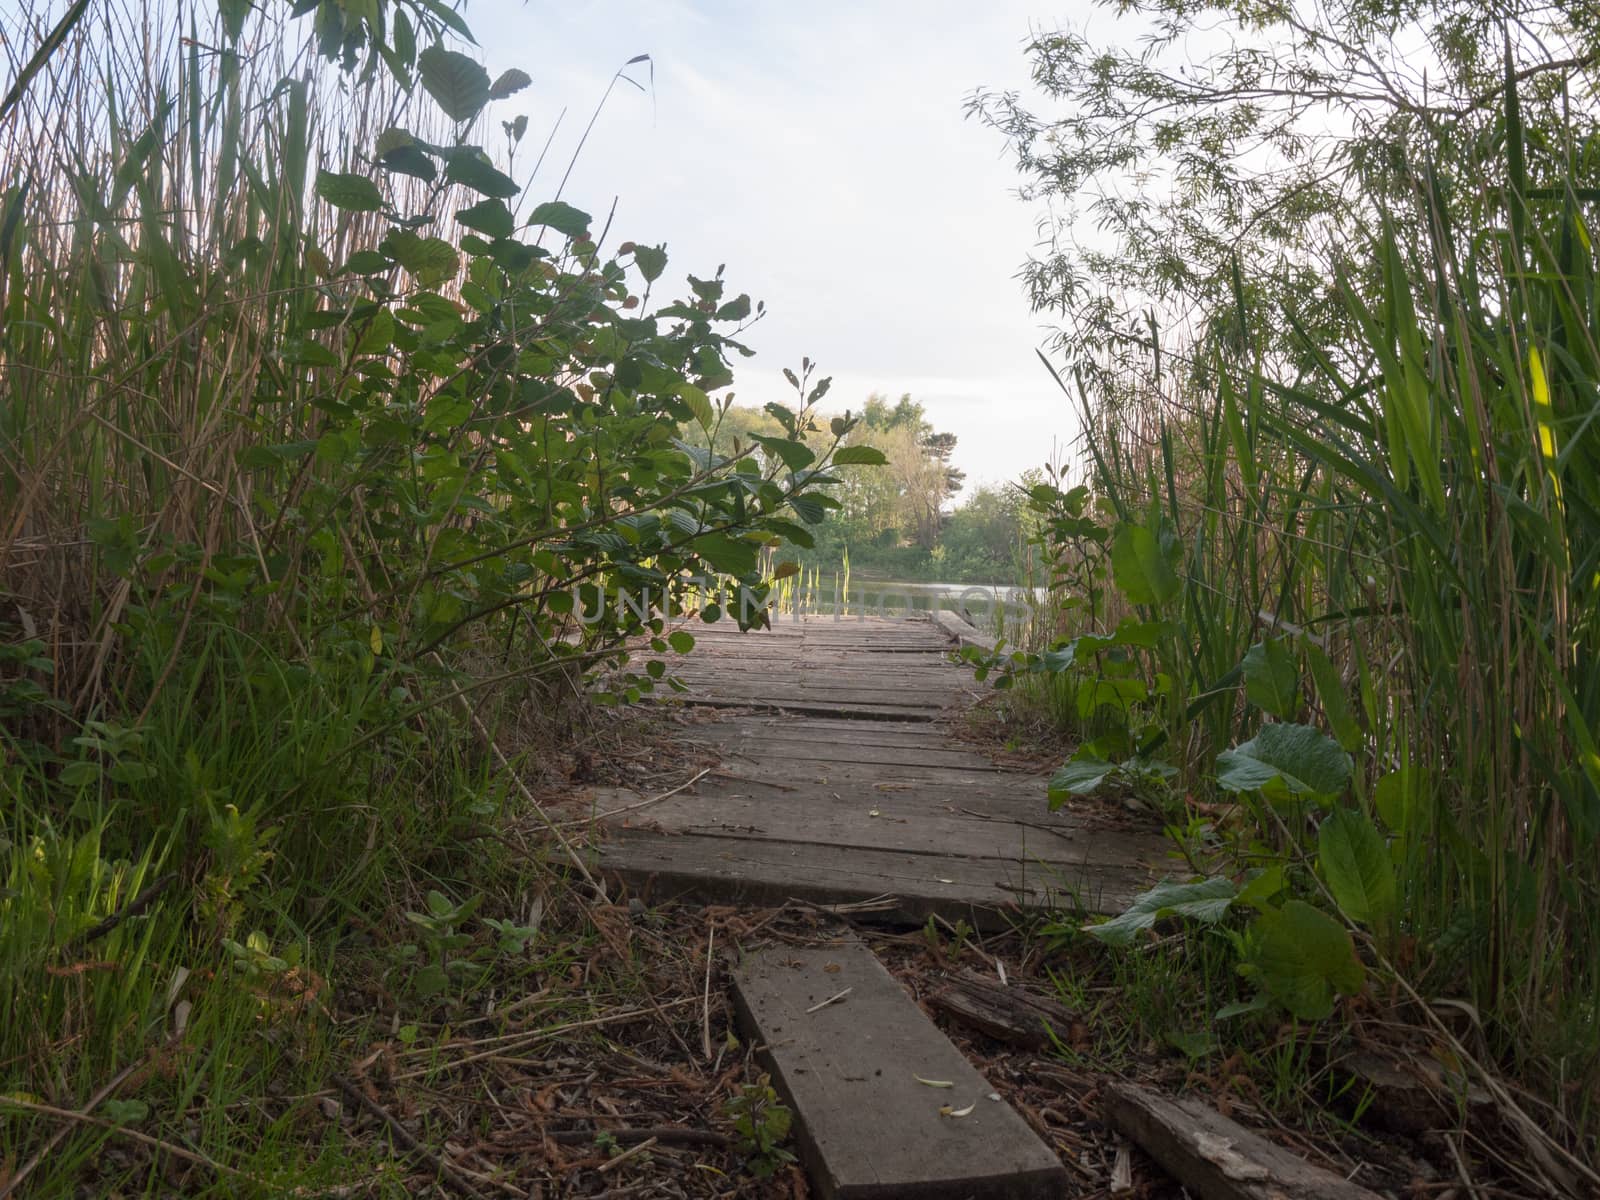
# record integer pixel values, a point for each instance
(1413, 1095)
(1217, 1158)
(1014, 1015)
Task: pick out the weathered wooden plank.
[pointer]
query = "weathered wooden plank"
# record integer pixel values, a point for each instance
(792, 690)
(963, 632)
(895, 823)
(867, 1129)
(824, 730)
(863, 712)
(807, 671)
(1217, 1158)
(981, 891)
(952, 779)
(1011, 1014)
(826, 631)
(932, 753)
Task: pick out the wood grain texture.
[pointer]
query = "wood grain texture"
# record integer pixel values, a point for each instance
(868, 1130)
(1216, 1158)
(840, 781)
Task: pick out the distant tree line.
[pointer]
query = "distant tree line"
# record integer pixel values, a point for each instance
(903, 520)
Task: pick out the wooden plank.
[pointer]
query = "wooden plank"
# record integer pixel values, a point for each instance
(781, 818)
(867, 1129)
(932, 753)
(808, 672)
(824, 731)
(1015, 1015)
(952, 780)
(1217, 1158)
(902, 823)
(981, 891)
(863, 712)
(963, 632)
(780, 692)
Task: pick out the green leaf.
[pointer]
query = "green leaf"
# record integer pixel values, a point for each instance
(432, 260)
(354, 192)
(1399, 794)
(1271, 678)
(469, 167)
(1078, 777)
(699, 403)
(509, 84)
(378, 335)
(368, 262)
(1262, 886)
(1207, 901)
(1142, 563)
(488, 216)
(409, 160)
(458, 83)
(1240, 1008)
(795, 455)
(563, 218)
(392, 138)
(1297, 758)
(80, 774)
(651, 261)
(735, 310)
(864, 456)
(1303, 957)
(680, 641)
(811, 509)
(729, 555)
(1355, 864)
(1334, 699)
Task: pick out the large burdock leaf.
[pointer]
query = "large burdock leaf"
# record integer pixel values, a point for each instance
(458, 83)
(1355, 863)
(1294, 758)
(1207, 901)
(1142, 563)
(1305, 956)
(1078, 777)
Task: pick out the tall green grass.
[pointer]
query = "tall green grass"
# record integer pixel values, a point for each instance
(1423, 512)
(202, 754)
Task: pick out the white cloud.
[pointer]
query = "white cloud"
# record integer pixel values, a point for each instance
(822, 153)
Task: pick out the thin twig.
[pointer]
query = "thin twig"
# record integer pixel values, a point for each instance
(617, 812)
(705, 1012)
(444, 1170)
(134, 907)
(660, 1133)
(626, 1155)
(504, 764)
(833, 999)
(38, 1156)
(83, 1118)
(542, 1036)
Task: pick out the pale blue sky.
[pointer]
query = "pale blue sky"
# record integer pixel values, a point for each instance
(820, 150)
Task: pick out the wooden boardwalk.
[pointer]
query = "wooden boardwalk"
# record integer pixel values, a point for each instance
(841, 782)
